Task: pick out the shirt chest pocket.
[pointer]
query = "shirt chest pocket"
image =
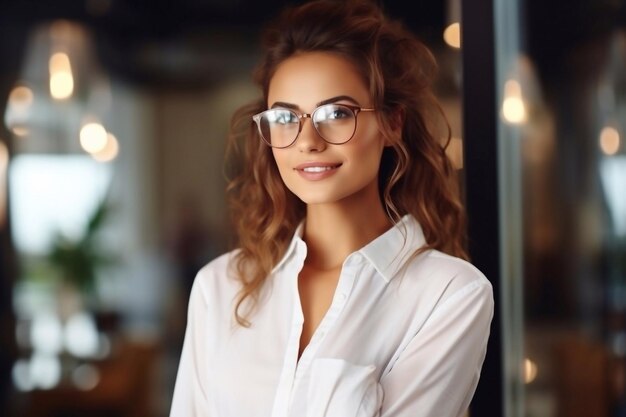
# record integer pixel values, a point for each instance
(338, 388)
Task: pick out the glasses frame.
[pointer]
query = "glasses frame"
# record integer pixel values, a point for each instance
(353, 108)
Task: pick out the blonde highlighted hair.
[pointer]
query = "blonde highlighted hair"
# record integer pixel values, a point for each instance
(416, 177)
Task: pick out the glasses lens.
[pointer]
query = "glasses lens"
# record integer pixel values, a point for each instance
(279, 127)
(335, 123)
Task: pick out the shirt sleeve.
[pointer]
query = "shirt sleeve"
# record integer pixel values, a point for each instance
(437, 374)
(189, 399)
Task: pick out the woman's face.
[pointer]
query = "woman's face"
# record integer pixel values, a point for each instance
(314, 170)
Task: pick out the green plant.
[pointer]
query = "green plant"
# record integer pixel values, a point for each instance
(78, 261)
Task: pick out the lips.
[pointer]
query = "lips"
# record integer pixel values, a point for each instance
(317, 170)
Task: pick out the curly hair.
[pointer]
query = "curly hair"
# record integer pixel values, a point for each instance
(415, 177)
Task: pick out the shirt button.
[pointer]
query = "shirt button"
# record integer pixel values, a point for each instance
(357, 257)
(342, 296)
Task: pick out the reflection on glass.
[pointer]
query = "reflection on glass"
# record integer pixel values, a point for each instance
(613, 177)
(4, 166)
(513, 107)
(574, 212)
(530, 371)
(452, 31)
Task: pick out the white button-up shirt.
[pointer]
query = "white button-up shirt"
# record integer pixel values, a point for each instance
(404, 337)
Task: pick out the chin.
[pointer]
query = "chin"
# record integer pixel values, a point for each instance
(315, 199)
(325, 197)
(328, 192)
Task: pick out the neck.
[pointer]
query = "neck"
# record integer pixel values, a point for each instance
(333, 231)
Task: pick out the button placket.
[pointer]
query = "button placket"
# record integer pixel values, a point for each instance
(290, 363)
(344, 287)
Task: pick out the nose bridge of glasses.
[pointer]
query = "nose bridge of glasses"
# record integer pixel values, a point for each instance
(316, 134)
(302, 117)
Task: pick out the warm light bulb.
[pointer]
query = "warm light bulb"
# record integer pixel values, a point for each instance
(18, 110)
(61, 79)
(513, 106)
(59, 61)
(21, 97)
(93, 137)
(452, 35)
(609, 140)
(61, 85)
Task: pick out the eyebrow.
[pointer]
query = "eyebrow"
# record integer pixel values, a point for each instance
(321, 103)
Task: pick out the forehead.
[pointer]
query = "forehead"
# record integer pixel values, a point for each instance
(309, 78)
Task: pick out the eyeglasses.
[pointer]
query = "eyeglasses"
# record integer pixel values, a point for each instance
(335, 123)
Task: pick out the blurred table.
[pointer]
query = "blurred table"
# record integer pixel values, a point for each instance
(125, 387)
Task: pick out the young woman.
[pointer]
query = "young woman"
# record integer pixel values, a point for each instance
(348, 294)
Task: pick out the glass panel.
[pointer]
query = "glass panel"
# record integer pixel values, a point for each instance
(563, 177)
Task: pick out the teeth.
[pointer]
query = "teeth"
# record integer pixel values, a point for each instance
(317, 169)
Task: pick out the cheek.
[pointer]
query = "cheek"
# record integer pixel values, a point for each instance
(369, 154)
(281, 161)
(369, 141)
(276, 157)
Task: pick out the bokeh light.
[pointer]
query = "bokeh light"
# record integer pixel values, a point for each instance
(61, 78)
(452, 35)
(93, 137)
(609, 140)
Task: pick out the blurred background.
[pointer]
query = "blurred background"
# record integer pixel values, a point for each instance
(114, 120)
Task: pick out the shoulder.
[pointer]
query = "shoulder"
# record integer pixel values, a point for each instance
(444, 264)
(448, 276)
(449, 290)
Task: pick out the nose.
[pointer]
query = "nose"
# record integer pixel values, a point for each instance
(309, 140)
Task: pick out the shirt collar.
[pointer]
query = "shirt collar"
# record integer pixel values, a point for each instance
(390, 251)
(387, 253)
(295, 241)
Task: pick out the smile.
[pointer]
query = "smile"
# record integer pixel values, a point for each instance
(317, 169)
(314, 171)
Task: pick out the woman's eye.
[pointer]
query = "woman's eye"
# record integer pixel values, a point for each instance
(338, 114)
(334, 113)
(286, 118)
